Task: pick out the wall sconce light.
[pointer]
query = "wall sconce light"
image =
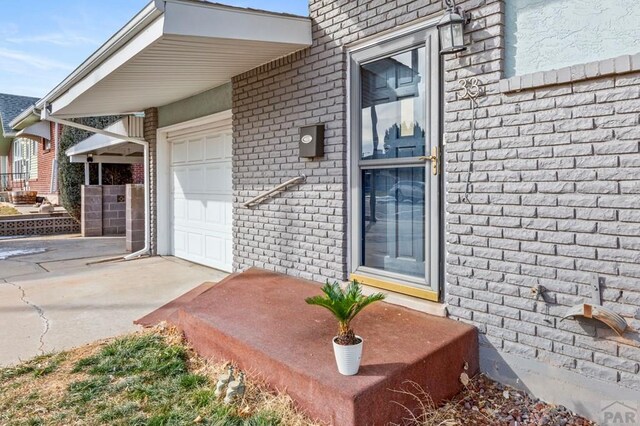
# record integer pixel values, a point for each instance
(451, 28)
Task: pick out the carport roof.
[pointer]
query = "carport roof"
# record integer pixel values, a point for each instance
(111, 148)
(171, 50)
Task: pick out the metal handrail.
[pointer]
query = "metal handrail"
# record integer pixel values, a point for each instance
(9, 180)
(261, 197)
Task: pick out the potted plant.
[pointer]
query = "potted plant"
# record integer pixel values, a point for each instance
(345, 304)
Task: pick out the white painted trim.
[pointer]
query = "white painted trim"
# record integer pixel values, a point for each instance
(163, 184)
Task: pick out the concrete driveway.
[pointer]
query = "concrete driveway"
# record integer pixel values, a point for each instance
(60, 292)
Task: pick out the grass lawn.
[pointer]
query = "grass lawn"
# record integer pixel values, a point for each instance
(148, 378)
(7, 210)
(152, 378)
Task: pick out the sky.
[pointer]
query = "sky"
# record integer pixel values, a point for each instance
(43, 41)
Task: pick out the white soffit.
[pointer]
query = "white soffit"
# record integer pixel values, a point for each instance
(40, 129)
(190, 47)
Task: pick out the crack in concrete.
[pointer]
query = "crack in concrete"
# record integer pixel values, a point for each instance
(38, 309)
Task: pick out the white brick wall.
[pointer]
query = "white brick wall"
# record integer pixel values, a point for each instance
(554, 189)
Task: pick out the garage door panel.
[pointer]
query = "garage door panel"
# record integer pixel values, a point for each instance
(217, 180)
(180, 180)
(228, 145)
(180, 240)
(179, 152)
(202, 198)
(196, 150)
(216, 212)
(215, 248)
(196, 180)
(195, 243)
(214, 148)
(195, 211)
(179, 209)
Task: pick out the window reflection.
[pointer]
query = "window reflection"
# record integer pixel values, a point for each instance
(393, 218)
(393, 106)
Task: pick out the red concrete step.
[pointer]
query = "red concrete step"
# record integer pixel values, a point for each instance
(167, 311)
(259, 320)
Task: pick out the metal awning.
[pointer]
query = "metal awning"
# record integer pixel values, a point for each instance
(171, 50)
(109, 148)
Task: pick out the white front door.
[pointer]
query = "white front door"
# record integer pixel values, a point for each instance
(201, 194)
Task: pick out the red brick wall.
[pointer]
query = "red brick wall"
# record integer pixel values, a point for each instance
(45, 163)
(137, 172)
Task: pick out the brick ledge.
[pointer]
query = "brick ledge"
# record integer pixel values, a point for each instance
(619, 65)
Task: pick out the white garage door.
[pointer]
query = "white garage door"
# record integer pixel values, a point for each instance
(201, 194)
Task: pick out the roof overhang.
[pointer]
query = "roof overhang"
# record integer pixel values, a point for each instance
(25, 119)
(40, 129)
(171, 50)
(108, 148)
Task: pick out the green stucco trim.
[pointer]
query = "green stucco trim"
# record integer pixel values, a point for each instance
(206, 103)
(5, 144)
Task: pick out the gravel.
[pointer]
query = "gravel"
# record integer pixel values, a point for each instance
(485, 402)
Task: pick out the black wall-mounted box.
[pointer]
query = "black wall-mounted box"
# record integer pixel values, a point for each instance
(312, 141)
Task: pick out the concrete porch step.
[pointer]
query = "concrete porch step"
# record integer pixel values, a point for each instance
(259, 320)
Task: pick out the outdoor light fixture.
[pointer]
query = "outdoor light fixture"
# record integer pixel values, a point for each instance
(451, 28)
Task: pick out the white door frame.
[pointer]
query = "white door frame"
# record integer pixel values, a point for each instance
(163, 177)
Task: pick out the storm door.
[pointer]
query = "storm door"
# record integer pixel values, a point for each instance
(395, 165)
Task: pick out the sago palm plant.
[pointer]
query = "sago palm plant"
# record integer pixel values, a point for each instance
(344, 304)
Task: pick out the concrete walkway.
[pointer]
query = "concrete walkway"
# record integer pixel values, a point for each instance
(60, 292)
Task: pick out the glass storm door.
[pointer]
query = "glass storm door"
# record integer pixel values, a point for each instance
(394, 191)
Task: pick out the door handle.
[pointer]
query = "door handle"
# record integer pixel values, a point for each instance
(434, 160)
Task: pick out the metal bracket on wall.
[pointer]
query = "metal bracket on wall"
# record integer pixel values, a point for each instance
(596, 311)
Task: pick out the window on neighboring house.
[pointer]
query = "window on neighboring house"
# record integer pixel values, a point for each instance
(46, 145)
(33, 159)
(18, 166)
(25, 158)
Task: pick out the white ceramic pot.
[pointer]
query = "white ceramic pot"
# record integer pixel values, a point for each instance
(348, 357)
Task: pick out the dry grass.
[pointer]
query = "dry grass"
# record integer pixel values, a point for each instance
(7, 210)
(148, 378)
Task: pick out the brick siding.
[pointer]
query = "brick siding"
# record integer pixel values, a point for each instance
(555, 184)
(555, 187)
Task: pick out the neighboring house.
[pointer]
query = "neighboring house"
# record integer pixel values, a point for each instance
(10, 107)
(29, 148)
(550, 206)
(37, 145)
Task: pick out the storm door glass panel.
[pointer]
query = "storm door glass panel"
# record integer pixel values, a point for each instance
(393, 106)
(393, 219)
